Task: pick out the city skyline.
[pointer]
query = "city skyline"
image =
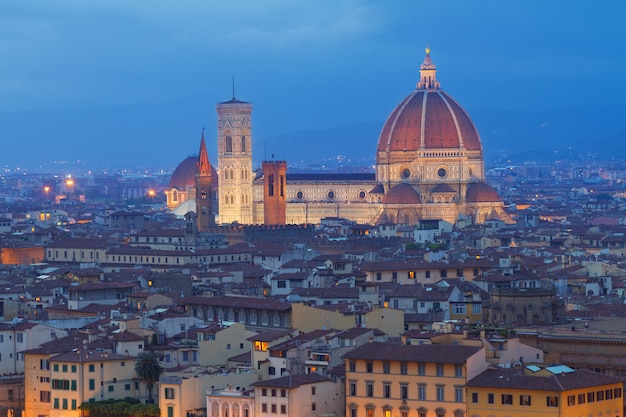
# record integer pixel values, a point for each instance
(85, 80)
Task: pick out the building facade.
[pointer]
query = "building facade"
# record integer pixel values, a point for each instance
(429, 166)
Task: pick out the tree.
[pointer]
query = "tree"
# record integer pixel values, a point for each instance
(148, 370)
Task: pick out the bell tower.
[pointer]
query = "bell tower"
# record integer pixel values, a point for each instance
(274, 192)
(205, 218)
(234, 160)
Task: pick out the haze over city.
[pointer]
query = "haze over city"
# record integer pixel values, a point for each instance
(132, 84)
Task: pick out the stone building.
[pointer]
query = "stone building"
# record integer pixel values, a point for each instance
(429, 166)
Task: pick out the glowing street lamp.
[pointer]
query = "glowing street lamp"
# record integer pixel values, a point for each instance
(151, 193)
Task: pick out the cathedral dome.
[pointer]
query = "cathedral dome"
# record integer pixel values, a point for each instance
(185, 174)
(479, 192)
(427, 119)
(402, 194)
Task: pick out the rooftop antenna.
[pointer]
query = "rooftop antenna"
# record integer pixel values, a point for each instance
(233, 76)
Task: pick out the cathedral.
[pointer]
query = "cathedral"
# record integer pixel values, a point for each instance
(429, 166)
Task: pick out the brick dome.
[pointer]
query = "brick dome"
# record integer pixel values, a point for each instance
(185, 174)
(402, 194)
(427, 119)
(479, 192)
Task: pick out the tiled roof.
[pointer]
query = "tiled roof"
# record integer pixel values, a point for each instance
(516, 379)
(421, 353)
(292, 381)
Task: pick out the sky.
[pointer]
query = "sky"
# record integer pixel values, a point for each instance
(81, 77)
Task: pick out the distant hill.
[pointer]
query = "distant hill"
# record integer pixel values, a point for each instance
(163, 135)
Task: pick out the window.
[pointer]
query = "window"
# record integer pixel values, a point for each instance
(571, 400)
(64, 404)
(386, 390)
(617, 393)
(421, 369)
(92, 384)
(264, 392)
(313, 407)
(353, 388)
(313, 390)
(170, 411)
(44, 365)
(552, 401)
(458, 371)
(56, 403)
(421, 392)
(169, 393)
(507, 399)
(439, 370)
(243, 144)
(229, 144)
(20, 337)
(264, 408)
(273, 408)
(440, 393)
(111, 388)
(73, 368)
(352, 366)
(369, 367)
(92, 367)
(64, 367)
(73, 404)
(379, 276)
(283, 409)
(600, 396)
(44, 396)
(525, 399)
(490, 399)
(403, 368)
(459, 308)
(581, 398)
(591, 397)
(283, 393)
(608, 394)
(55, 367)
(273, 392)
(458, 394)
(427, 273)
(127, 387)
(386, 367)
(444, 273)
(369, 389)
(474, 397)
(271, 370)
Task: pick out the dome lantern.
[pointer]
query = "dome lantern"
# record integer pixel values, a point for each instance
(428, 74)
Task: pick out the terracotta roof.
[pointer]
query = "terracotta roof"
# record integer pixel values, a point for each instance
(292, 381)
(83, 355)
(442, 188)
(421, 353)
(479, 192)
(516, 379)
(428, 120)
(185, 174)
(402, 194)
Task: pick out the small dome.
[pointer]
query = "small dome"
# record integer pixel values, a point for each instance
(479, 192)
(402, 194)
(185, 174)
(442, 188)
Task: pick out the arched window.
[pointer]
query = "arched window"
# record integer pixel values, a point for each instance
(243, 144)
(174, 195)
(229, 144)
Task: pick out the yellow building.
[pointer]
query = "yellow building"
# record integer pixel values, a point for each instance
(551, 391)
(73, 378)
(385, 380)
